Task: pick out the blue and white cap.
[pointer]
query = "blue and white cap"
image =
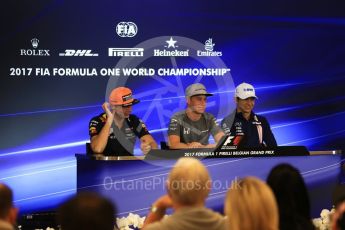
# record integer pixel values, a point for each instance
(245, 91)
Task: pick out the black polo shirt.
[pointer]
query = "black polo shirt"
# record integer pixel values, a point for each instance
(236, 124)
(121, 142)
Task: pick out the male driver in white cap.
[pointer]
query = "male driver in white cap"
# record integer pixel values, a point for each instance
(243, 121)
(192, 127)
(115, 131)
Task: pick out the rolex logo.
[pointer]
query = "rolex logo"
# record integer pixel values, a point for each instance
(34, 52)
(35, 42)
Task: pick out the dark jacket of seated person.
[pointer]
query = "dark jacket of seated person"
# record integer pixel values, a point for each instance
(115, 131)
(243, 121)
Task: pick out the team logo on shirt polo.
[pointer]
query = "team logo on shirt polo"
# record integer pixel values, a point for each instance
(238, 127)
(226, 128)
(238, 124)
(129, 132)
(186, 131)
(93, 130)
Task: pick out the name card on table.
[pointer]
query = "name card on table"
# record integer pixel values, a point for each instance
(156, 154)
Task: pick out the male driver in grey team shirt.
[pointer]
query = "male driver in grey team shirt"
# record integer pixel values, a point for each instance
(192, 127)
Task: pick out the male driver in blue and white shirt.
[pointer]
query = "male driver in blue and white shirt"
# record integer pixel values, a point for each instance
(243, 121)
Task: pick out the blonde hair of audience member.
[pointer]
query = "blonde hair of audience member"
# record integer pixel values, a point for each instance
(189, 182)
(251, 205)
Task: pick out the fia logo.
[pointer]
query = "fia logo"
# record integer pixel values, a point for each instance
(186, 131)
(126, 29)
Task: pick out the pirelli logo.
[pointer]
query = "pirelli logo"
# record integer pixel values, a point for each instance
(126, 52)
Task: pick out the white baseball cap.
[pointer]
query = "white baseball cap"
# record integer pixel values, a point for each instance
(245, 91)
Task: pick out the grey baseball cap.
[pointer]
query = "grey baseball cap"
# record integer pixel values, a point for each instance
(197, 89)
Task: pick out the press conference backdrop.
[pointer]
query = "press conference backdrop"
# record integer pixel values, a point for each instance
(293, 52)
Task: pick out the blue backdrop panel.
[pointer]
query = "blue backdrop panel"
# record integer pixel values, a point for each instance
(293, 52)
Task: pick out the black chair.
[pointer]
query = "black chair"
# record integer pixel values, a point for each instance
(164, 145)
(89, 151)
